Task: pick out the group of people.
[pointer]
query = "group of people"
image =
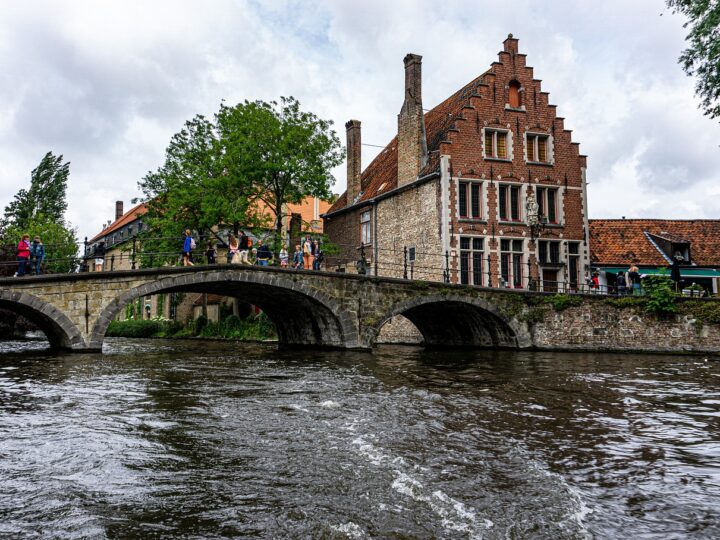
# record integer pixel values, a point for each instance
(30, 256)
(626, 283)
(308, 254)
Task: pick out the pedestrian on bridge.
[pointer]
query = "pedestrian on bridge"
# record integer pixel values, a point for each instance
(233, 254)
(264, 255)
(297, 260)
(37, 255)
(23, 254)
(307, 253)
(188, 246)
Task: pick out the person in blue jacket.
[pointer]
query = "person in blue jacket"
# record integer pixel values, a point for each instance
(188, 246)
(37, 255)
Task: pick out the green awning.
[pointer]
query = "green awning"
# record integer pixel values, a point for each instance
(684, 272)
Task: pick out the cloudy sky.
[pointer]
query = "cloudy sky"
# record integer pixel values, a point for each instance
(107, 82)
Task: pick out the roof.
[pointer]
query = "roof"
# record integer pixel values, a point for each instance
(127, 218)
(381, 175)
(624, 241)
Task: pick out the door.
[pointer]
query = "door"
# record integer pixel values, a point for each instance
(550, 280)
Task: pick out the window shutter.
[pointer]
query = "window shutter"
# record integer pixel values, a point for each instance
(542, 149)
(501, 146)
(489, 144)
(531, 148)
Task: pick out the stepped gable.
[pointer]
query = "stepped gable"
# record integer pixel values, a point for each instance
(623, 241)
(381, 175)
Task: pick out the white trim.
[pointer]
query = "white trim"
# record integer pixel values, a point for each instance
(483, 198)
(445, 215)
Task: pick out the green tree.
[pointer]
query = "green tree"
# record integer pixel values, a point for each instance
(193, 190)
(61, 243)
(46, 196)
(287, 154)
(702, 57)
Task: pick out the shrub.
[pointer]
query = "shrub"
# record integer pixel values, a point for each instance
(200, 323)
(561, 302)
(702, 311)
(134, 328)
(660, 294)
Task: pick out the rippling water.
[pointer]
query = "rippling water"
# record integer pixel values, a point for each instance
(162, 439)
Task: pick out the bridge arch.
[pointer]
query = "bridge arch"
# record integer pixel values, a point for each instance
(302, 315)
(458, 321)
(60, 331)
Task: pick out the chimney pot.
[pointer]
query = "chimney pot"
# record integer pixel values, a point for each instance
(354, 144)
(118, 210)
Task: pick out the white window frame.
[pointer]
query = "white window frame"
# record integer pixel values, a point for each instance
(482, 202)
(366, 227)
(472, 273)
(534, 135)
(510, 283)
(493, 150)
(521, 202)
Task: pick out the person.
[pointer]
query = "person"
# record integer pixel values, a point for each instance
(297, 260)
(233, 250)
(211, 253)
(634, 277)
(23, 254)
(318, 255)
(188, 246)
(284, 257)
(621, 284)
(595, 282)
(37, 255)
(99, 256)
(263, 254)
(307, 253)
(244, 248)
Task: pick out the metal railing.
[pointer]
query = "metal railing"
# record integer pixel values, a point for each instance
(482, 269)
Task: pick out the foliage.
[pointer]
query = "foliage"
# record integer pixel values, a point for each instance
(142, 328)
(626, 302)
(45, 200)
(535, 314)
(705, 311)
(560, 302)
(285, 153)
(660, 294)
(702, 56)
(60, 241)
(255, 327)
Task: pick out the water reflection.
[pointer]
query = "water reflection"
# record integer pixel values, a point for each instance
(203, 439)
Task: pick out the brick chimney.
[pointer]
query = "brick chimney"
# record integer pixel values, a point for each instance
(412, 144)
(118, 210)
(510, 45)
(354, 141)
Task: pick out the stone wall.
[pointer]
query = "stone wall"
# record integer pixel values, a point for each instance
(399, 330)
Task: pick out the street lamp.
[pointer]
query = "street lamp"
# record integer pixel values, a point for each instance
(536, 223)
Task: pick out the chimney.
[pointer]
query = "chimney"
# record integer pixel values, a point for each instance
(118, 210)
(352, 131)
(412, 144)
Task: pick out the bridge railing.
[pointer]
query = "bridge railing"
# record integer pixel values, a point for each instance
(401, 261)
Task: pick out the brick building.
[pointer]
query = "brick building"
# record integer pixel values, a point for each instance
(467, 186)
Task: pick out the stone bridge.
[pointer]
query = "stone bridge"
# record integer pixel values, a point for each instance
(323, 309)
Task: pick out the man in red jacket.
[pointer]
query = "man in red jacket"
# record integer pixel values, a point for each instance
(23, 254)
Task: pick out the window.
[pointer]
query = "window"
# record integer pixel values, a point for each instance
(471, 260)
(365, 230)
(537, 148)
(573, 264)
(514, 95)
(511, 263)
(496, 144)
(470, 200)
(509, 203)
(548, 252)
(547, 203)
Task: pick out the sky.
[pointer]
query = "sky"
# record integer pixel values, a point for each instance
(107, 83)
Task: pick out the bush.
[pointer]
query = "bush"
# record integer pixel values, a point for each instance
(142, 329)
(660, 295)
(200, 323)
(561, 302)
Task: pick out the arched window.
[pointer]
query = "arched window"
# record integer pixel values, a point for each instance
(514, 95)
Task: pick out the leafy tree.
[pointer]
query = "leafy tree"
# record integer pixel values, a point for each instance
(285, 153)
(660, 293)
(61, 243)
(193, 190)
(702, 57)
(46, 196)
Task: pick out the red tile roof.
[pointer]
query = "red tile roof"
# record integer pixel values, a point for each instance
(623, 241)
(381, 175)
(127, 217)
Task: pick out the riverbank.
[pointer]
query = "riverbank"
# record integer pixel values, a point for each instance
(252, 328)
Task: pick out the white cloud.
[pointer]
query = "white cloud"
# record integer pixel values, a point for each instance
(108, 83)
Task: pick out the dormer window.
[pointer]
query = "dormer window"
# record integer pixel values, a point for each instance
(514, 95)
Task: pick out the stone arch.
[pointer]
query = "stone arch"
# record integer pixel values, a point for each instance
(60, 331)
(458, 321)
(302, 315)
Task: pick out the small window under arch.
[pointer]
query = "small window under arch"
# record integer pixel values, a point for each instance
(514, 95)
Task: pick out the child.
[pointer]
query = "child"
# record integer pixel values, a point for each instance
(283, 257)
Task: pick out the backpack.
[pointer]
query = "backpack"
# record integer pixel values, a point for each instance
(193, 245)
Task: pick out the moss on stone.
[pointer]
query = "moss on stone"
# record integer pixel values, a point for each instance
(707, 312)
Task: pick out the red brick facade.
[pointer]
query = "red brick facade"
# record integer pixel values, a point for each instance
(499, 140)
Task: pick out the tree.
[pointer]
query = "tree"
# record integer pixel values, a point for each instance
(46, 196)
(702, 57)
(286, 153)
(192, 190)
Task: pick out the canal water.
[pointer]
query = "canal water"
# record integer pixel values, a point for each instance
(167, 439)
